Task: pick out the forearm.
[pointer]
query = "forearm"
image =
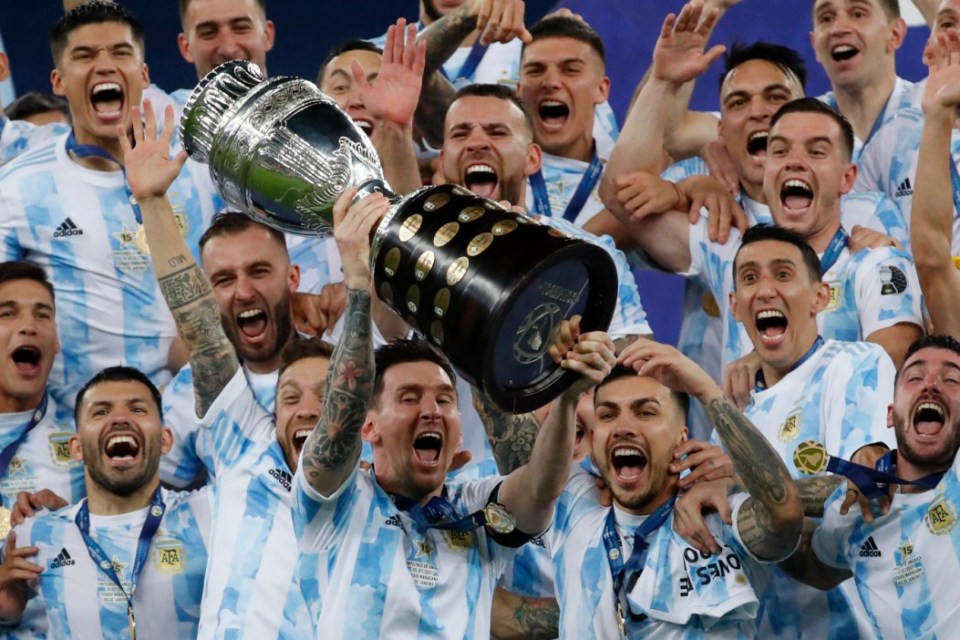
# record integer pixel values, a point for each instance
(511, 437)
(435, 98)
(804, 565)
(774, 503)
(815, 491)
(394, 145)
(529, 492)
(333, 447)
(190, 299)
(518, 618)
(928, 9)
(445, 35)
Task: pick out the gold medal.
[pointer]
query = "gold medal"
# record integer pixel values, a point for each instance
(140, 240)
(810, 457)
(132, 622)
(5, 525)
(709, 305)
(621, 621)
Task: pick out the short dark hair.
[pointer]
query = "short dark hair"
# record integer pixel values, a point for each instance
(231, 223)
(499, 91)
(185, 4)
(813, 105)
(92, 12)
(24, 270)
(681, 400)
(353, 44)
(34, 103)
(303, 348)
(890, 7)
(933, 341)
(402, 351)
(762, 232)
(784, 58)
(118, 374)
(568, 27)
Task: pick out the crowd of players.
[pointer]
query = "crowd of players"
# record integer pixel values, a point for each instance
(212, 429)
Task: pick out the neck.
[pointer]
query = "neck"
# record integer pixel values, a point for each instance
(580, 148)
(102, 502)
(18, 404)
(394, 488)
(110, 145)
(265, 366)
(820, 239)
(862, 104)
(753, 191)
(912, 472)
(649, 507)
(773, 373)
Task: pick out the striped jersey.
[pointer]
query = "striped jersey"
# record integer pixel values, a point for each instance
(16, 136)
(81, 601)
(252, 588)
(381, 576)
(682, 593)
(889, 163)
(562, 177)
(80, 226)
(904, 563)
(838, 397)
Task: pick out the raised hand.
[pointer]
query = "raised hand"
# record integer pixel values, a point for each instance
(591, 354)
(679, 53)
(499, 20)
(643, 194)
(15, 571)
(353, 225)
(670, 367)
(28, 504)
(149, 168)
(393, 97)
(942, 90)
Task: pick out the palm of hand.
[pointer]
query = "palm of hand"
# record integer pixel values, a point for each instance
(394, 96)
(680, 57)
(149, 169)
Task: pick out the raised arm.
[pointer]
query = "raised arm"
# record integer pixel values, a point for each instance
(150, 172)
(769, 522)
(932, 213)
(530, 492)
(333, 447)
(511, 436)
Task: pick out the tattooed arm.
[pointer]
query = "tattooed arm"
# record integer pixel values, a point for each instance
(518, 618)
(770, 520)
(805, 566)
(333, 447)
(150, 172)
(815, 491)
(511, 436)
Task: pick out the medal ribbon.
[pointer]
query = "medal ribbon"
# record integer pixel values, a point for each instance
(873, 482)
(634, 565)
(11, 449)
(541, 201)
(99, 557)
(439, 513)
(760, 384)
(834, 249)
(81, 151)
(477, 51)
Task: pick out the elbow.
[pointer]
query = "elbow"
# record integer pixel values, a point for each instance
(786, 520)
(608, 193)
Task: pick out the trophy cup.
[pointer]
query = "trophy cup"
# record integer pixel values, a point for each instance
(484, 284)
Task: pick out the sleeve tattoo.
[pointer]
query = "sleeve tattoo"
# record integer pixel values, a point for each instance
(197, 315)
(334, 443)
(511, 436)
(805, 566)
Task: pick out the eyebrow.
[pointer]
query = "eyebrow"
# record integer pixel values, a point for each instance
(916, 363)
(775, 262)
(13, 304)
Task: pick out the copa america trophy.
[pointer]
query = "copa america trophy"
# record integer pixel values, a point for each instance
(484, 284)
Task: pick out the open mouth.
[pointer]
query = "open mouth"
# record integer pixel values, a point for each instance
(772, 326)
(628, 462)
(252, 323)
(122, 449)
(843, 52)
(299, 439)
(365, 125)
(757, 143)
(427, 446)
(107, 100)
(553, 114)
(27, 360)
(928, 418)
(796, 195)
(482, 179)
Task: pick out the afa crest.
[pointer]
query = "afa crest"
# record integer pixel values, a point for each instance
(941, 517)
(60, 449)
(836, 295)
(790, 428)
(169, 556)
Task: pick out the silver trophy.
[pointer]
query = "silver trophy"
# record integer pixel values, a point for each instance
(486, 285)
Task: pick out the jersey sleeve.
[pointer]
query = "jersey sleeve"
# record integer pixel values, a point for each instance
(710, 261)
(887, 291)
(181, 466)
(322, 521)
(579, 497)
(859, 417)
(832, 537)
(11, 213)
(235, 421)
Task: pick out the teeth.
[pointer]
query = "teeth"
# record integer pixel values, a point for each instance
(363, 124)
(301, 433)
(931, 406)
(843, 48)
(106, 86)
(480, 168)
(627, 452)
(759, 134)
(769, 313)
(797, 183)
(552, 103)
(121, 439)
(249, 313)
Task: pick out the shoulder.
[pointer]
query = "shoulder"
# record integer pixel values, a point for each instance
(37, 158)
(695, 166)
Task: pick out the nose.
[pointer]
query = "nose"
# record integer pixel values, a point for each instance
(477, 140)
(429, 408)
(228, 46)
(244, 288)
(551, 77)
(28, 324)
(760, 108)
(309, 409)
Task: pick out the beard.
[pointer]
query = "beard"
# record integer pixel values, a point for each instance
(929, 461)
(126, 484)
(282, 318)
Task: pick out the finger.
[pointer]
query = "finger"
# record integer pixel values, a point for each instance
(849, 500)
(669, 23)
(420, 57)
(399, 45)
(150, 118)
(359, 76)
(25, 504)
(343, 203)
(866, 508)
(483, 15)
(124, 140)
(136, 123)
(714, 54)
(389, 44)
(707, 22)
(508, 30)
(739, 217)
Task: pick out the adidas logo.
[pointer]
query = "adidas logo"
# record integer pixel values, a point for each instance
(63, 559)
(282, 477)
(869, 549)
(905, 189)
(67, 228)
(394, 521)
